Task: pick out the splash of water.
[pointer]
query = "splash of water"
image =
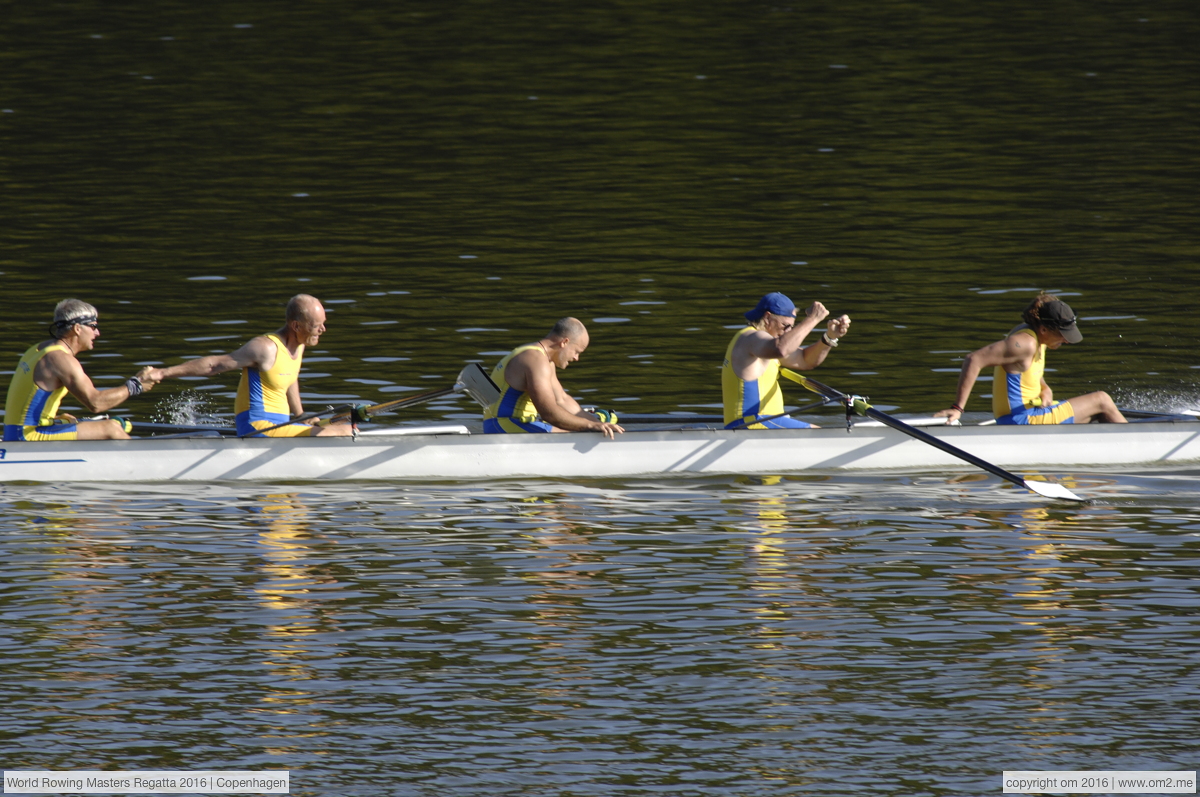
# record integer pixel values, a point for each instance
(187, 408)
(1173, 401)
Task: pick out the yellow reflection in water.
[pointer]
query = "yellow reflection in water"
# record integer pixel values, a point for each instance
(769, 562)
(287, 548)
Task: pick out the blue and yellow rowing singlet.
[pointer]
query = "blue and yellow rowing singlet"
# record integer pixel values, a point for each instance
(513, 412)
(29, 412)
(750, 400)
(1017, 398)
(262, 395)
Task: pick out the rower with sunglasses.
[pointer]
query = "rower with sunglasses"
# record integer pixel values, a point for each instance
(750, 373)
(1020, 395)
(49, 370)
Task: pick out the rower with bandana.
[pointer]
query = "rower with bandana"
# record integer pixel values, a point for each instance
(50, 370)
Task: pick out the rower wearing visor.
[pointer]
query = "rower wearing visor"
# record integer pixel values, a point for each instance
(1020, 395)
(50, 370)
(750, 372)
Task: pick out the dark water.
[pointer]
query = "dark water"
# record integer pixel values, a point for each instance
(452, 178)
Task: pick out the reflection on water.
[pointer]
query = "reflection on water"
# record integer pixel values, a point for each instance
(765, 635)
(288, 592)
(451, 180)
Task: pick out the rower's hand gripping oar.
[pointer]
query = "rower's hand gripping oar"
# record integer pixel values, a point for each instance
(860, 406)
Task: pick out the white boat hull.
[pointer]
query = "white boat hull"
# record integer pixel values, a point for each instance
(443, 455)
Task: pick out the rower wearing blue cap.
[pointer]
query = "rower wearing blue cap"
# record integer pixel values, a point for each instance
(750, 373)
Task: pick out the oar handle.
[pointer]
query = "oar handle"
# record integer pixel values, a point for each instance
(307, 416)
(741, 423)
(362, 411)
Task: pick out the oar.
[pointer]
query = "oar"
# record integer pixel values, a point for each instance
(478, 385)
(307, 416)
(178, 428)
(650, 417)
(742, 422)
(860, 405)
(362, 412)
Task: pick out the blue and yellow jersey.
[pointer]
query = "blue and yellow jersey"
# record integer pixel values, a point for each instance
(1023, 391)
(29, 407)
(262, 395)
(1017, 398)
(513, 412)
(749, 399)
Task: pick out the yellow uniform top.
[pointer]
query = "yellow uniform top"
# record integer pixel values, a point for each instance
(513, 404)
(749, 399)
(28, 404)
(1017, 392)
(262, 394)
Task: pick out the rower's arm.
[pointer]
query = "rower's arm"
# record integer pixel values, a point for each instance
(566, 402)
(814, 354)
(1009, 353)
(552, 402)
(784, 347)
(293, 397)
(250, 355)
(67, 370)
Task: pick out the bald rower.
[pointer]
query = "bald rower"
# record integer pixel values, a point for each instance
(531, 398)
(269, 391)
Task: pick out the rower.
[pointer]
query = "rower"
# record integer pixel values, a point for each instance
(269, 391)
(1020, 395)
(531, 398)
(750, 372)
(50, 370)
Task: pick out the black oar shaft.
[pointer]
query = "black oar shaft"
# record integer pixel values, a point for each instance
(742, 423)
(308, 416)
(924, 437)
(911, 431)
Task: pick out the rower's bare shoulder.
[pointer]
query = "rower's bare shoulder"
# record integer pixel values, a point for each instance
(57, 362)
(1017, 348)
(258, 352)
(755, 345)
(260, 344)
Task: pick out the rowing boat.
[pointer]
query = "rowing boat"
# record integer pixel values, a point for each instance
(452, 452)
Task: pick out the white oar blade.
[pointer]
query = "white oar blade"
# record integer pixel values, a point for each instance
(478, 385)
(1052, 490)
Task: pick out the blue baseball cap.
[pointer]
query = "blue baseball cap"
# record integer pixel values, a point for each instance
(775, 303)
